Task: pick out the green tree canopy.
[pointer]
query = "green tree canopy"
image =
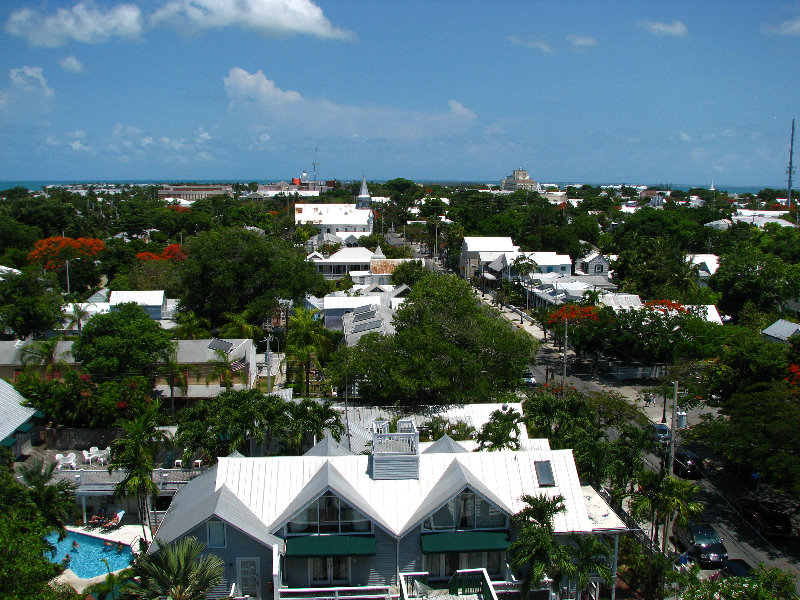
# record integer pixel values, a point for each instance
(447, 348)
(123, 342)
(29, 304)
(231, 270)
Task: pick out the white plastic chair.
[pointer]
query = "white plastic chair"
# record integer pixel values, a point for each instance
(59, 458)
(69, 459)
(94, 450)
(87, 458)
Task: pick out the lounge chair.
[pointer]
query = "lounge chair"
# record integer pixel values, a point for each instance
(115, 521)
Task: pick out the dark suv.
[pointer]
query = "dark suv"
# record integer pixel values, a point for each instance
(765, 518)
(703, 544)
(686, 464)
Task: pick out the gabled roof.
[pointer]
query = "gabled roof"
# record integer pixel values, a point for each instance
(205, 501)
(12, 412)
(781, 330)
(293, 482)
(445, 445)
(328, 446)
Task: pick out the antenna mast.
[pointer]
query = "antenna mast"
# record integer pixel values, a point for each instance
(790, 171)
(315, 164)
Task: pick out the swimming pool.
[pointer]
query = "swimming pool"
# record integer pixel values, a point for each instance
(86, 559)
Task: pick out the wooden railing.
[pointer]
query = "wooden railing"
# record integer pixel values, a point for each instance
(472, 581)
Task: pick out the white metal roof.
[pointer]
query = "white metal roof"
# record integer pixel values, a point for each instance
(275, 489)
(333, 214)
(144, 298)
(12, 412)
(489, 244)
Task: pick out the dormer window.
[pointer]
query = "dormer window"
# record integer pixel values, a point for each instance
(328, 514)
(464, 512)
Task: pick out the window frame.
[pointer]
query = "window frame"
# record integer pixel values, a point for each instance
(209, 525)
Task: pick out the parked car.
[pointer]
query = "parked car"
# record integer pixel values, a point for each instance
(660, 433)
(528, 378)
(703, 544)
(736, 567)
(765, 518)
(686, 464)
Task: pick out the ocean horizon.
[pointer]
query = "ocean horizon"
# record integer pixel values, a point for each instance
(37, 185)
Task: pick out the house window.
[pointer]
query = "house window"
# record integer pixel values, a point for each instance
(443, 566)
(329, 571)
(466, 511)
(216, 534)
(598, 268)
(544, 473)
(329, 514)
(563, 269)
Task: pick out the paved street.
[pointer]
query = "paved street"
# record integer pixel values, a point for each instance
(717, 486)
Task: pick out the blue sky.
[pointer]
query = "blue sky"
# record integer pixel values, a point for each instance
(634, 92)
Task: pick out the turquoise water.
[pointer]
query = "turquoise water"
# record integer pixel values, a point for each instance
(86, 559)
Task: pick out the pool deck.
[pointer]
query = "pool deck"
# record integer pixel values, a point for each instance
(127, 534)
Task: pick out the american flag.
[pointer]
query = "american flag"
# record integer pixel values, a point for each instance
(238, 365)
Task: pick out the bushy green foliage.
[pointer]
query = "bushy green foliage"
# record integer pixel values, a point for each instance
(447, 348)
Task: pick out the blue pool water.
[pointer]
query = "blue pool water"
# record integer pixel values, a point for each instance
(86, 559)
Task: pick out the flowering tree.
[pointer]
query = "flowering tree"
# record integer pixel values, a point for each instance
(53, 252)
(573, 313)
(172, 253)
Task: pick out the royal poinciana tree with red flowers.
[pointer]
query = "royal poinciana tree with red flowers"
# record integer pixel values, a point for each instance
(53, 252)
(172, 253)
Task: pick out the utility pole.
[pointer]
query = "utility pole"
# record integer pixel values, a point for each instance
(670, 458)
(790, 171)
(564, 372)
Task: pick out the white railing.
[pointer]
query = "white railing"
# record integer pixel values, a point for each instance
(377, 592)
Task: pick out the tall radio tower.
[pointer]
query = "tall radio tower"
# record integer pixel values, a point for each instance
(315, 164)
(790, 171)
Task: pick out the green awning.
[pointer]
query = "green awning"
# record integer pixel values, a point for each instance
(464, 541)
(25, 427)
(38, 414)
(8, 442)
(330, 545)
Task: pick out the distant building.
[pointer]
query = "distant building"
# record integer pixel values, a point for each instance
(193, 192)
(335, 218)
(520, 180)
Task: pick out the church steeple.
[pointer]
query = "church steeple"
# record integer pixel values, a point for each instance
(364, 200)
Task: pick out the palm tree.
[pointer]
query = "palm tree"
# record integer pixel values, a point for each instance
(55, 501)
(77, 316)
(238, 326)
(321, 416)
(179, 571)
(535, 552)
(524, 266)
(222, 369)
(43, 353)
(134, 454)
(175, 373)
(306, 340)
(660, 496)
(190, 326)
(109, 588)
(589, 554)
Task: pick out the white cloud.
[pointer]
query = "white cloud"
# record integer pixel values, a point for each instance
(727, 133)
(261, 143)
(71, 64)
(674, 29)
(27, 97)
(790, 27)
(274, 18)
(534, 44)
(581, 41)
(684, 137)
(257, 102)
(81, 23)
